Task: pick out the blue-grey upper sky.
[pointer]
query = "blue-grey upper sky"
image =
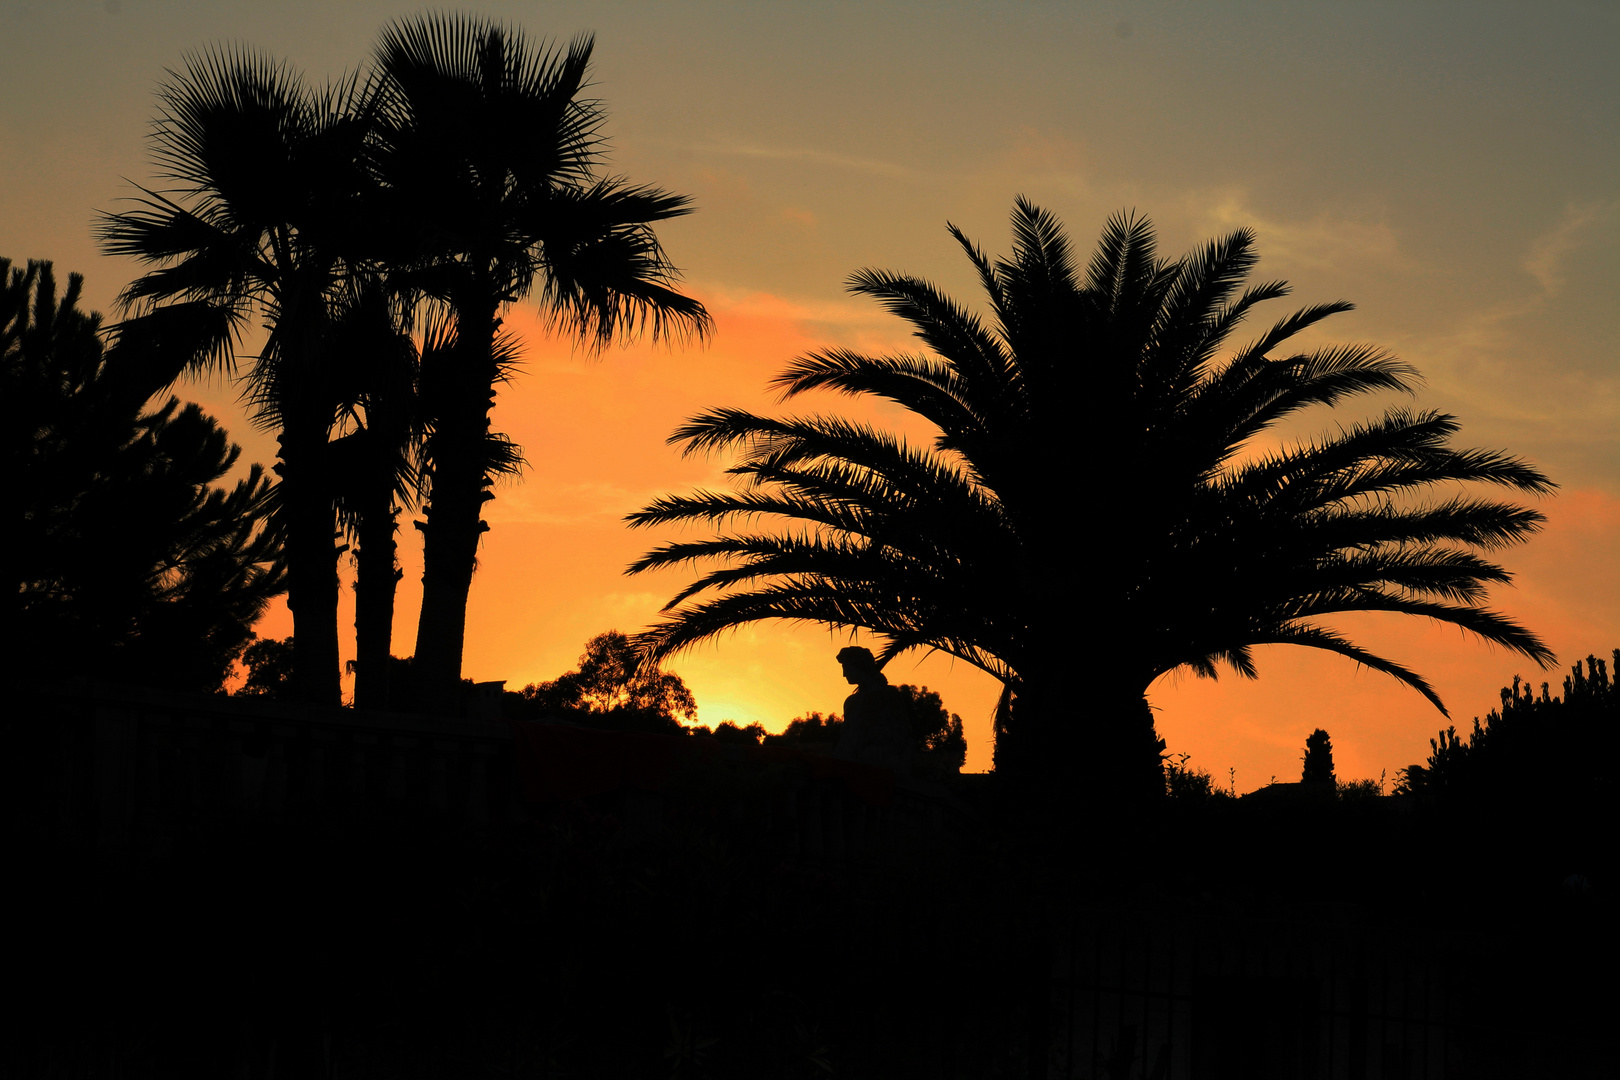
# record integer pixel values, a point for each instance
(1451, 167)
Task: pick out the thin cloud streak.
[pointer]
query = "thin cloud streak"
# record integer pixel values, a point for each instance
(870, 166)
(1551, 251)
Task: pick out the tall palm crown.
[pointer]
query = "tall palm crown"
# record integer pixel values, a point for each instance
(1170, 547)
(268, 179)
(489, 159)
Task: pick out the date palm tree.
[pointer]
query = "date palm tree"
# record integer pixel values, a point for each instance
(267, 176)
(490, 161)
(1093, 476)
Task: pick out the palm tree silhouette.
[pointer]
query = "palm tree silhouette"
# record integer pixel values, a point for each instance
(490, 163)
(1092, 492)
(269, 177)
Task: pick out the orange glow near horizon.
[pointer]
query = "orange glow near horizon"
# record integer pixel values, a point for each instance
(593, 430)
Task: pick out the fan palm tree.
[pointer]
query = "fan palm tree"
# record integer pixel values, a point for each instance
(268, 180)
(1176, 545)
(490, 159)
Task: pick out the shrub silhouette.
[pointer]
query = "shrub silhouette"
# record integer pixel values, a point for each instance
(1532, 746)
(1190, 785)
(730, 731)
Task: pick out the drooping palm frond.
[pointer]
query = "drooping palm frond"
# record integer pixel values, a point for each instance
(604, 275)
(958, 336)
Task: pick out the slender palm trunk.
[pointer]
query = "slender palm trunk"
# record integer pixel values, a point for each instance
(312, 581)
(460, 487)
(376, 577)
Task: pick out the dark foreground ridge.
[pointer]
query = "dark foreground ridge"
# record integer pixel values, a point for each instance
(214, 887)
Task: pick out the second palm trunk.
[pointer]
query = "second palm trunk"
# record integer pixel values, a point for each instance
(457, 452)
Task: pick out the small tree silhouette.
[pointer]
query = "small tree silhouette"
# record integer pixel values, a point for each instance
(937, 730)
(270, 669)
(613, 687)
(1318, 759)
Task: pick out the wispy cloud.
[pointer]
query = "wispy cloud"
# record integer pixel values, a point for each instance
(545, 501)
(1487, 329)
(1319, 242)
(871, 166)
(1550, 251)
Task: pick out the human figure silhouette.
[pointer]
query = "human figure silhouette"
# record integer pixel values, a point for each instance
(877, 724)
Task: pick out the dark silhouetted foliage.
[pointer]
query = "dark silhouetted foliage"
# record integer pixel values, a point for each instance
(613, 687)
(730, 731)
(269, 666)
(1359, 790)
(1318, 759)
(813, 731)
(941, 745)
(813, 727)
(127, 562)
(1190, 785)
(1532, 747)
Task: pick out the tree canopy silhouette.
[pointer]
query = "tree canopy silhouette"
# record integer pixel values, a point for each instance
(127, 562)
(614, 687)
(1093, 477)
(269, 664)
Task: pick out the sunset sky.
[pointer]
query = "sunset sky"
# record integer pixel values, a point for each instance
(1451, 168)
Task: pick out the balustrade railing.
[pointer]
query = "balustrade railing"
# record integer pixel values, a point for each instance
(124, 770)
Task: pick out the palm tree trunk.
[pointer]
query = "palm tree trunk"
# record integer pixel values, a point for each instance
(312, 582)
(376, 577)
(460, 483)
(449, 553)
(1079, 745)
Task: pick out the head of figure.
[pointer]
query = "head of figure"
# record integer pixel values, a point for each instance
(860, 666)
